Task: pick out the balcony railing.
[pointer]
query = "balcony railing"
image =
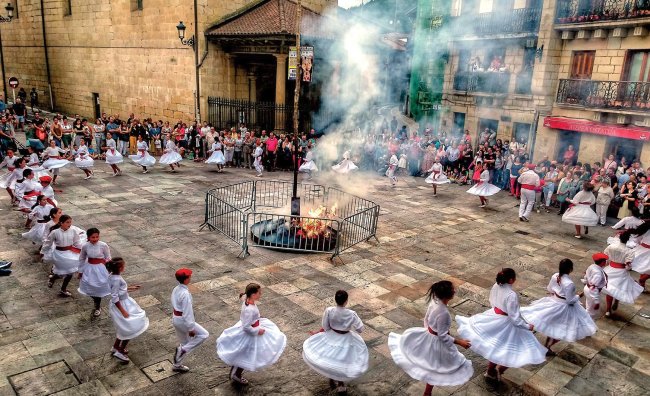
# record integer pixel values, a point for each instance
(615, 95)
(585, 11)
(483, 82)
(524, 20)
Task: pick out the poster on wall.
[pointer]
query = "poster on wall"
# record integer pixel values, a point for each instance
(293, 63)
(306, 62)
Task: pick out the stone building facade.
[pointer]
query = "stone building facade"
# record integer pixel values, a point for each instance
(123, 56)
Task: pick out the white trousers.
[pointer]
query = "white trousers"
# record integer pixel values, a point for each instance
(189, 343)
(527, 202)
(258, 165)
(592, 299)
(601, 211)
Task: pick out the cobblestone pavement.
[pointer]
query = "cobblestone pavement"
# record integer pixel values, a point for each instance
(50, 344)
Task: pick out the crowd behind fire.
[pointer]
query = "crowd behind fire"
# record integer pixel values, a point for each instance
(620, 183)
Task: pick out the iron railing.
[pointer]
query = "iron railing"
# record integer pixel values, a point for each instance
(582, 11)
(485, 82)
(618, 95)
(524, 20)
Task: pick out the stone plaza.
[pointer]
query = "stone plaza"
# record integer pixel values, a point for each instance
(52, 345)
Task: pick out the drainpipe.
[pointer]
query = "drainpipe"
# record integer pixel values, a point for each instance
(196, 62)
(533, 134)
(47, 59)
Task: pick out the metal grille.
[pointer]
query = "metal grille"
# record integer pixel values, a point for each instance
(581, 11)
(619, 95)
(485, 82)
(524, 20)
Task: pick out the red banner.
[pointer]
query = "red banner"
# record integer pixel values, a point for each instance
(597, 128)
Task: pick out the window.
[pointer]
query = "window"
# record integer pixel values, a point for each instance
(487, 131)
(582, 64)
(136, 5)
(637, 67)
(67, 7)
(469, 7)
(521, 132)
(459, 123)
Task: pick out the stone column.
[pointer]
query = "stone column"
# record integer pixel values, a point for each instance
(252, 95)
(280, 89)
(232, 75)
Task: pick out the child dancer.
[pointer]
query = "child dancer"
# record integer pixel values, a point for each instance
(66, 245)
(253, 343)
(500, 334)
(83, 160)
(113, 156)
(560, 316)
(620, 285)
(483, 188)
(27, 190)
(580, 213)
(55, 159)
(16, 174)
(55, 215)
(216, 156)
(143, 158)
(437, 176)
(346, 165)
(392, 166)
(428, 353)
(171, 156)
(93, 276)
(258, 158)
(10, 162)
(337, 351)
(641, 262)
(40, 213)
(595, 281)
(128, 318)
(190, 334)
(308, 165)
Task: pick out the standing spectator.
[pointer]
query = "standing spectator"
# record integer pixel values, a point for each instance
(453, 154)
(22, 95)
(610, 163)
(124, 138)
(604, 198)
(57, 132)
(33, 99)
(99, 131)
(20, 111)
(239, 145)
(133, 136)
(271, 151)
(393, 125)
(550, 178)
(247, 150)
(569, 155)
(67, 133)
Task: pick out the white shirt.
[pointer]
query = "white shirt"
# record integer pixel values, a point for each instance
(53, 152)
(82, 151)
(258, 152)
(529, 177)
(39, 212)
(393, 160)
(595, 277)
(453, 154)
(618, 252)
(249, 315)
(485, 176)
(182, 302)
(583, 196)
(436, 168)
(33, 160)
(563, 288)
(8, 162)
(93, 250)
(60, 238)
(119, 288)
(341, 319)
(110, 143)
(438, 319)
(507, 300)
(170, 146)
(143, 146)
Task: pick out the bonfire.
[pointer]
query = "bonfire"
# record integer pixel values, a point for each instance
(316, 224)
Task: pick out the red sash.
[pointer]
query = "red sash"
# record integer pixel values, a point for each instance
(256, 324)
(93, 260)
(178, 313)
(339, 331)
(500, 312)
(617, 265)
(70, 248)
(432, 331)
(528, 186)
(645, 245)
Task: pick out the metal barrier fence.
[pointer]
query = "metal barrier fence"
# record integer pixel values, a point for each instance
(238, 211)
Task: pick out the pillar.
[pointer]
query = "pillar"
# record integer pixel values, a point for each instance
(280, 78)
(232, 75)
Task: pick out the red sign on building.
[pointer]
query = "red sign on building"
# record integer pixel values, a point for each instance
(597, 128)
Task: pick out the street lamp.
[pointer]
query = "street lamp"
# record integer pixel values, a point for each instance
(181, 35)
(10, 13)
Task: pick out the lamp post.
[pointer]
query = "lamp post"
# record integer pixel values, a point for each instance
(192, 42)
(8, 18)
(295, 200)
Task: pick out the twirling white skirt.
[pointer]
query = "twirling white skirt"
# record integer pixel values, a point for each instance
(38, 171)
(557, 319)
(251, 352)
(641, 262)
(308, 166)
(484, 189)
(7, 181)
(35, 234)
(170, 158)
(341, 357)
(84, 163)
(114, 157)
(425, 357)
(580, 215)
(134, 325)
(621, 286)
(497, 339)
(143, 159)
(345, 166)
(216, 158)
(64, 262)
(441, 179)
(55, 163)
(94, 281)
(48, 254)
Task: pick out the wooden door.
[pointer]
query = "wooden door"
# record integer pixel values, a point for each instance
(582, 64)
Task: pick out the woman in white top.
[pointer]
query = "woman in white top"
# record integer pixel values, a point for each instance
(437, 176)
(580, 213)
(171, 156)
(500, 334)
(128, 318)
(143, 158)
(66, 245)
(428, 353)
(216, 155)
(253, 343)
(620, 285)
(560, 315)
(83, 160)
(483, 188)
(40, 215)
(54, 160)
(113, 156)
(346, 165)
(337, 351)
(92, 269)
(308, 165)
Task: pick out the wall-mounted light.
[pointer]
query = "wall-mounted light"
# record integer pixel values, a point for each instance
(539, 52)
(181, 35)
(10, 13)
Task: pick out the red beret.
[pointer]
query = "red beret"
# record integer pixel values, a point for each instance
(45, 179)
(531, 166)
(184, 272)
(600, 256)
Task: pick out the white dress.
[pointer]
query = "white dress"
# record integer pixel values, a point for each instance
(217, 155)
(143, 158)
(620, 284)
(92, 264)
(242, 346)
(113, 156)
(9, 180)
(560, 315)
(35, 165)
(54, 161)
(428, 357)
(308, 165)
(27, 193)
(137, 322)
(171, 155)
(437, 176)
(581, 213)
(346, 165)
(641, 262)
(628, 222)
(37, 215)
(502, 338)
(341, 357)
(483, 188)
(83, 159)
(9, 162)
(46, 250)
(66, 261)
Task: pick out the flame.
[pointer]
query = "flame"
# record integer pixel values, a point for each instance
(313, 226)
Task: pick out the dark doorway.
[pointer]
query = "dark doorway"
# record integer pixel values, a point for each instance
(621, 147)
(566, 139)
(492, 126)
(98, 111)
(459, 124)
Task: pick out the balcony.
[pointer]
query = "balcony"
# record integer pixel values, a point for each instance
(482, 82)
(605, 95)
(600, 11)
(520, 22)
